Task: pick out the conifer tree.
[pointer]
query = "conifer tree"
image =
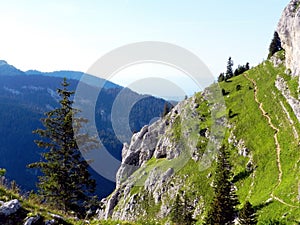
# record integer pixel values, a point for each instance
(229, 71)
(247, 66)
(221, 77)
(181, 213)
(187, 211)
(223, 207)
(241, 69)
(166, 109)
(66, 181)
(275, 45)
(247, 215)
(177, 211)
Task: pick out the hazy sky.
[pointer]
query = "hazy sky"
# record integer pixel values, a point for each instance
(73, 34)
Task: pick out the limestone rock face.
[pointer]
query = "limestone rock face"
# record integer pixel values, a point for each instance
(282, 86)
(35, 220)
(153, 141)
(152, 159)
(10, 207)
(289, 32)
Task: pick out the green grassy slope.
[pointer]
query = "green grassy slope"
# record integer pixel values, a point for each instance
(268, 180)
(263, 125)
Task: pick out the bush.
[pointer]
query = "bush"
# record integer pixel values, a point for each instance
(2, 172)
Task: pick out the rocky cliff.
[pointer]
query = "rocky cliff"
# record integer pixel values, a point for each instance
(289, 33)
(155, 155)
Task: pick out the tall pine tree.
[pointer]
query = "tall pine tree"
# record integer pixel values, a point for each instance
(223, 207)
(66, 181)
(166, 109)
(275, 45)
(182, 211)
(247, 215)
(229, 71)
(221, 77)
(177, 211)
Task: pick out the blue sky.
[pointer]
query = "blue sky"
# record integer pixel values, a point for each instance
(73, 34)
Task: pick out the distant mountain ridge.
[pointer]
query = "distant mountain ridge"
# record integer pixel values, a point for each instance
(9, 70)
(76, 75)
(25, 97)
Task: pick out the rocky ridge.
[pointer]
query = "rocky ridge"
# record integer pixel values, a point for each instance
(12, 212)
(155, 154)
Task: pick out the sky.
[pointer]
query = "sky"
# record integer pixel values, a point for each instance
(73, 34)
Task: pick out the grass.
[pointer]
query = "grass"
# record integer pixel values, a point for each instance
(33, 207)
(253, 128)
(292, 83)
(248, 124)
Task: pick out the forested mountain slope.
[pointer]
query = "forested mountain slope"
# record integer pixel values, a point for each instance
(23, 101)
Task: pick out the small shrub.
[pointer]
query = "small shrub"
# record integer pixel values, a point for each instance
(2, 172)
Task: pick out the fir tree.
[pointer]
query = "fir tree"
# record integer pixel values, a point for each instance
(223, 207)
(181, 213)
(177, 211)
(229, 71)
(241, 69)
(66, 181)
(247, 215)
(247, 66)
(275, 45)
(221, 77)
(187, 211)
(166, 109)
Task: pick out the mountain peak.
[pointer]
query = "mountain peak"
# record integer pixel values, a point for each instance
(9, 70)
(3, 62)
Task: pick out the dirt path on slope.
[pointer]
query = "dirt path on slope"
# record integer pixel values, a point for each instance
(275, 136)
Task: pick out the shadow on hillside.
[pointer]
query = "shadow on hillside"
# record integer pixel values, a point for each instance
(262, 205)
(241, 176)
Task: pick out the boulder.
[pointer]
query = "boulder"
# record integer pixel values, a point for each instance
(34, 220)
(50, 222)
(9, 208)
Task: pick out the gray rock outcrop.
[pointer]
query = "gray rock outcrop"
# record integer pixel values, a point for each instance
(282, 86)
(289, 32)
(10, 207)
(12, 213)
(151, 160)
(34, 220)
